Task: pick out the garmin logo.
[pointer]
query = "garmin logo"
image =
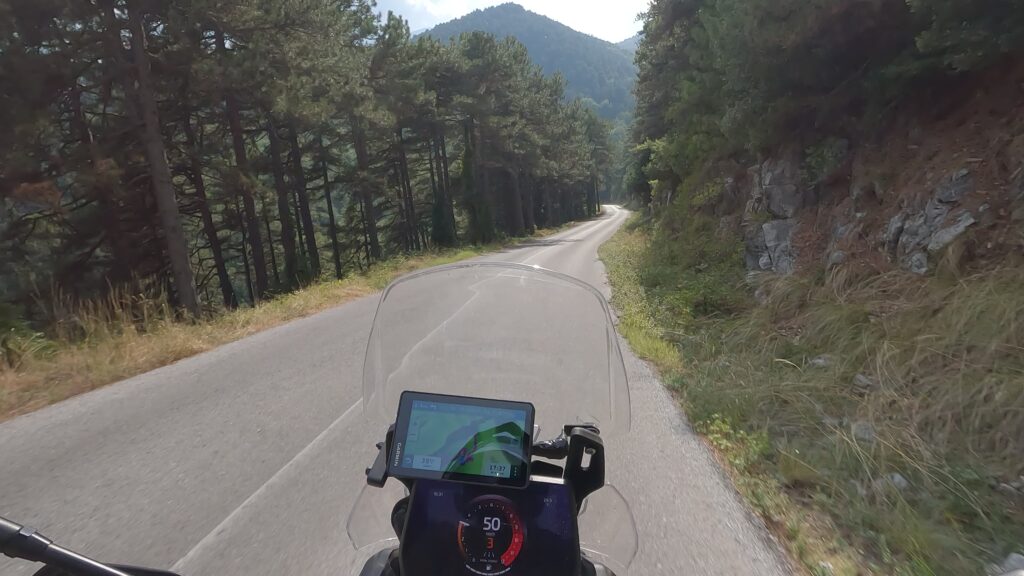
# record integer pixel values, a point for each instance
(398, 454)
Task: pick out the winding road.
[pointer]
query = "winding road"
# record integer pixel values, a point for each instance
(246, 460)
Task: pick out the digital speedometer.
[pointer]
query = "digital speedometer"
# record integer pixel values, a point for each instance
(491, 536)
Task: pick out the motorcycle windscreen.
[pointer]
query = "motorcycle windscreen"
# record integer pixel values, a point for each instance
(608, 530)
(499, 331)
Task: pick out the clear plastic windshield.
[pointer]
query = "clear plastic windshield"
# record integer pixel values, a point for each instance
(506, 332)
(501, 331)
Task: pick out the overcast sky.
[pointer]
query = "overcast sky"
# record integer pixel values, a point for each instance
(611, 20)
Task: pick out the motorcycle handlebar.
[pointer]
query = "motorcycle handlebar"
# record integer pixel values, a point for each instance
(17, 541)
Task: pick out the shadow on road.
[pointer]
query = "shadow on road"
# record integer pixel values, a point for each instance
(539, 243)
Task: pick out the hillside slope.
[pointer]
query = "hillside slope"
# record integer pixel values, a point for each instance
(630, 44)
(831, 263)
(592, 68)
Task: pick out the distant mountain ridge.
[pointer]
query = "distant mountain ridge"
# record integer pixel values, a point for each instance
(593, 68)
(630, 44)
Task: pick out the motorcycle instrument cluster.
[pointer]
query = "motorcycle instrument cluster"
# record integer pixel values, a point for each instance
(465, 529)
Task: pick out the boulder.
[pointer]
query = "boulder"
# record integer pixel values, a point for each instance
(780, 186)
(836, 259)
(911, 237)
(778, 241)
(947, 235)
(917, 263)
(953, 189)
(910, 251)
(914, 236)
(935, 213)
(864, 384)
(893, 232)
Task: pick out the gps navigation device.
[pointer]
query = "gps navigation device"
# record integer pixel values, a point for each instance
(473, 440)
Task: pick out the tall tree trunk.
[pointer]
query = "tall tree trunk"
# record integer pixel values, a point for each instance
(304, 257)
(163, 187)
(517, 224)
(410, 205)
(245, 259)
(403, 217)
(271, 252)
(259, 263)
(299, 180)
(441, 232)
(227, 291)
(528, 206)
(366, 233)
(365, 193)
(284, 211)
(449, 197)
(335, 251)
(550, 217)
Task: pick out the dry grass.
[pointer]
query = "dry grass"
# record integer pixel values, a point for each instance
(100, 343)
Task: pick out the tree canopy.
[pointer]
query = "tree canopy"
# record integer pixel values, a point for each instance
(222, 152)
(734, 78)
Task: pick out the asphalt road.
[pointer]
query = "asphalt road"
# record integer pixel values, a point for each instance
(246, 460)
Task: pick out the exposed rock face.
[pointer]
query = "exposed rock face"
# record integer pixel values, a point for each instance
(780, 181)
(778, 241)
(947, 235)
(756, 251)
(775, 191)
(911, 238)
(954, 188)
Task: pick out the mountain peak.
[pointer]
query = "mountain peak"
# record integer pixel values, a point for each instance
(594, 69)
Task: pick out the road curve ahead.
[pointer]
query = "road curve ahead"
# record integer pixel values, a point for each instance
(246, 460)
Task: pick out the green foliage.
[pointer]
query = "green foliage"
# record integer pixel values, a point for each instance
(733, 78)
(693, 269)
(967, 34)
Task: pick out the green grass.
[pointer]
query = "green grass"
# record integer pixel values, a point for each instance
(811, 451)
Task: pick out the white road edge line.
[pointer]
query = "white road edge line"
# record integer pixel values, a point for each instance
(226, 523)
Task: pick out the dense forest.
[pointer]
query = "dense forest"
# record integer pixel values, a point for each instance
(223, 152)
(735, 78)
(594, 70)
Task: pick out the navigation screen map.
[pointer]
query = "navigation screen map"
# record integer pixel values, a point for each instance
(472, 440)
